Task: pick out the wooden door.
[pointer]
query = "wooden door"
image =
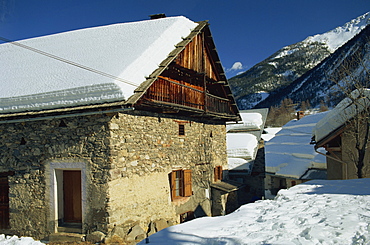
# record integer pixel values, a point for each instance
(4, 203)
(72, 196)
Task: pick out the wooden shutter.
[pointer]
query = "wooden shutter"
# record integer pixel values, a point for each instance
(172, 176)
(218, 173)
(188, 190)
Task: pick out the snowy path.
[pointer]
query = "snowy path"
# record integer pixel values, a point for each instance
(319, 212)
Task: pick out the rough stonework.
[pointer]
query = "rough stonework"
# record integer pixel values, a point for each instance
(146, 147)
(125, 160)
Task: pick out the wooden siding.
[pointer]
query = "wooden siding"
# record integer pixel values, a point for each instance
(196, 57)
(192, 83)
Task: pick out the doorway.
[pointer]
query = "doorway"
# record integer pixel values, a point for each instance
(72, 196)
(4, 203)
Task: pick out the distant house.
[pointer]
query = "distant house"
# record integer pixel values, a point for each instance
(245, 152)
(118, 129)
(340, 131)
(290, 159)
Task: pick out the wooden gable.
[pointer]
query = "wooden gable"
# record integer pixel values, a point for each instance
(191, 82)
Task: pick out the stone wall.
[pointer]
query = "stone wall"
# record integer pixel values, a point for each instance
(29, 148)
(125, 160)
(146, 147)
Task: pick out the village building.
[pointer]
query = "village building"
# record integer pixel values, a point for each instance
(343, 133)
(290, 158)
(117, 129)
(246, 156)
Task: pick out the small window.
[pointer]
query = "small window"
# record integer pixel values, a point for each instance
(23, 141)
(186, 216)
(181, 129)
(180, 183)
(218, 173)
(62, 124)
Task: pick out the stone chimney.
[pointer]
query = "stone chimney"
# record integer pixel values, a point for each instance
(157, 16)
(300, 114)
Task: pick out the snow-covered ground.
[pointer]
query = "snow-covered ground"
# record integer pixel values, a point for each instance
(14, 240)
(316, 212)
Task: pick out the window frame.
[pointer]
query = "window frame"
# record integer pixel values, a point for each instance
(181, 129)
(181, 183)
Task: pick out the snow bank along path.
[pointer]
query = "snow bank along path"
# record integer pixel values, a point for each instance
(316, 212)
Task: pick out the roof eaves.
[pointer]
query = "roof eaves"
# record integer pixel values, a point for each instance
(220, 70)
(329, 136)
(227, 185)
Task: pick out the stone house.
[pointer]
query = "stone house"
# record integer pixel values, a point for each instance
(117, 129)
(340, 131)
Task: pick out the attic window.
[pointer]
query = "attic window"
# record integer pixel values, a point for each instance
(181, 129)
(62, 124)
(23, 141)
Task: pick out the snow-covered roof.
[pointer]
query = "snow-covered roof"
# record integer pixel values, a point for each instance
(250, 121)
(344, 111)
(240, 164)
(130, 51)
(243, 137)
(241, 145)
(290, 153)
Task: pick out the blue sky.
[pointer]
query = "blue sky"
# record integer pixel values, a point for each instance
(244, 31)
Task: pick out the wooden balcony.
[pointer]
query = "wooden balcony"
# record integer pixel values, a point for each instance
(186, 95)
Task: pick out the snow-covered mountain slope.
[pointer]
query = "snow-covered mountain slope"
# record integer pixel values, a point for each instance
(347, 66)
(315, 212)
(340, 35)
(291, 62)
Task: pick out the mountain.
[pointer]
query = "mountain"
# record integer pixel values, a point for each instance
(348, 66)
(290, 63)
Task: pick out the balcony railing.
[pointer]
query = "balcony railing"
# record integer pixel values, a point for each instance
(165, 90)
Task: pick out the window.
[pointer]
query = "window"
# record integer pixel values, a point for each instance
(181, 129)
(186, 216)
(180, 183)
(218, 173)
